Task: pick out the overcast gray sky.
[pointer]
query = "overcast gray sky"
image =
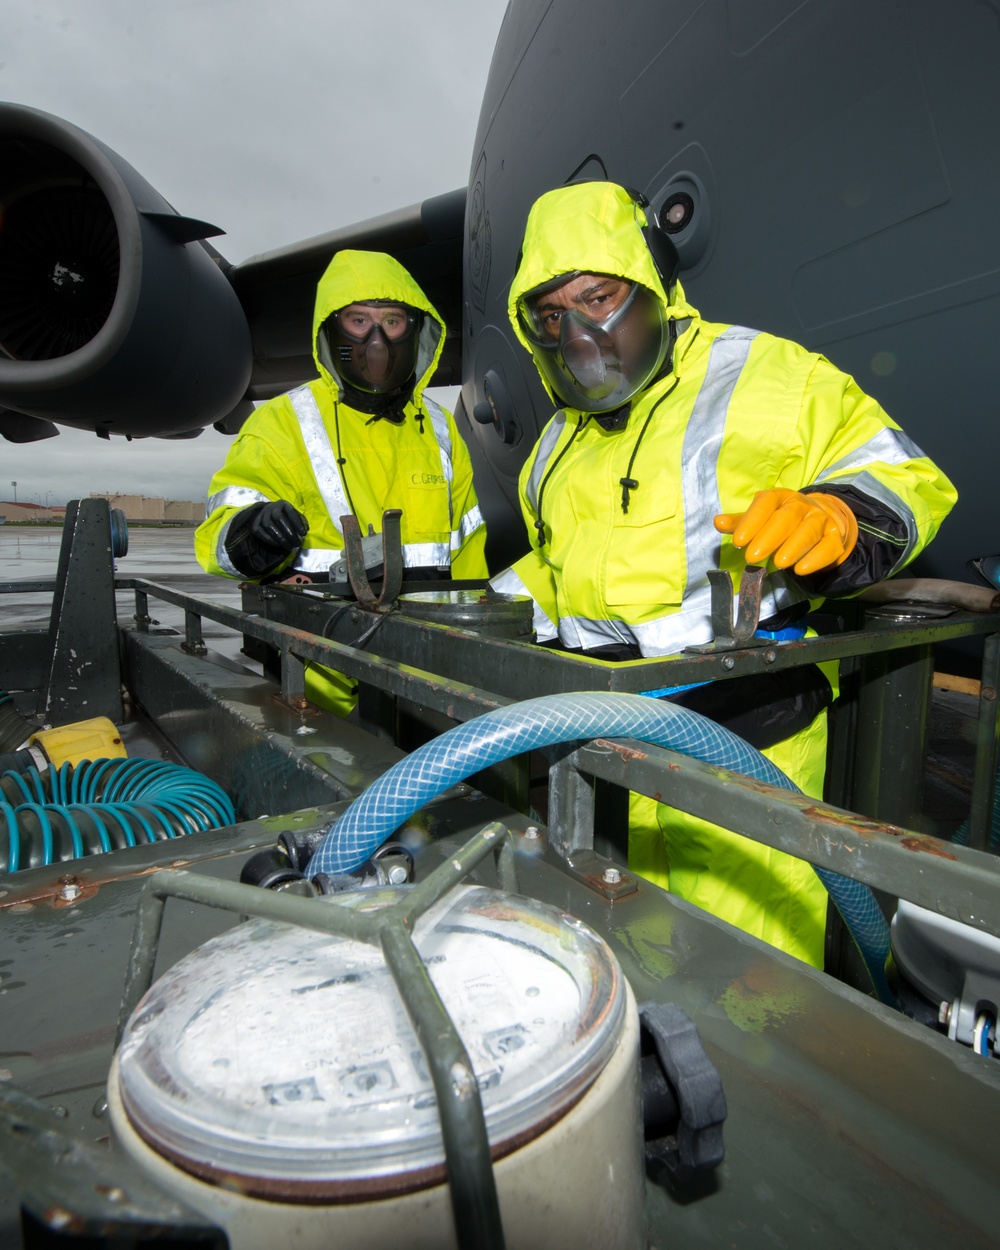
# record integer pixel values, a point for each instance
(274, 119)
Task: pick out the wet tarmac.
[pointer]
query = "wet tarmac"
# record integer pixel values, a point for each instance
(31, 552)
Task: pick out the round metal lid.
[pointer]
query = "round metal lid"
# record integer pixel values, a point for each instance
(285, 1057)
(485, 611)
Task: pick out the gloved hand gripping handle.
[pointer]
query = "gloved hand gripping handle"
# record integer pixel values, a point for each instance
(261, 537)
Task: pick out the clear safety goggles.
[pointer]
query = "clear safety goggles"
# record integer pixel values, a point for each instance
(396, 321)
(544, 329)
(596, 363)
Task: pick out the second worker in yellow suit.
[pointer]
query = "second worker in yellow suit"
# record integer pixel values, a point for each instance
(674, 432)
(362, 438)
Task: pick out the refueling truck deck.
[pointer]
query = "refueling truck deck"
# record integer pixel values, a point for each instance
(804, 1108)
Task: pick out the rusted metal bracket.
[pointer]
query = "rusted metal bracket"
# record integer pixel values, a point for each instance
(392, 561)
(600, 874)
(733, 635)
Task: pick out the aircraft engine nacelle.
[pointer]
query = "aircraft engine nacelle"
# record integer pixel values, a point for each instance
(114, 315)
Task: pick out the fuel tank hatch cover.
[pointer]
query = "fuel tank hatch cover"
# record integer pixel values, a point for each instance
(283, 1060)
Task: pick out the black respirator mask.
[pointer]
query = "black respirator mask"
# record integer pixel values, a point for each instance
(373, 344)
(598, 366)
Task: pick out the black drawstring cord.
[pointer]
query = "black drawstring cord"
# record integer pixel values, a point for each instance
(628, 482)
(539, 523)
(341, 461)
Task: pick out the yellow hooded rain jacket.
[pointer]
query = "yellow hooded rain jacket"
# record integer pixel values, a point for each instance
(328, 459)
(739, 411)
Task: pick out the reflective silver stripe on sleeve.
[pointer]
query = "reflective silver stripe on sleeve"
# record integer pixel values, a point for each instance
(320, 453)
(868, 485)
(315, 559)
(700, 459)
(546, 445)
(887, 446)
(673, 632)
(235, 497)
(472, 521)
(508, 583)
(222, 555)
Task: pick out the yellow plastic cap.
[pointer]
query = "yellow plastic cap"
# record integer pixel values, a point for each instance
(94, 739)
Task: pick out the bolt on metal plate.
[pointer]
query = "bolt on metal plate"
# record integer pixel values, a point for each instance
(609, 880)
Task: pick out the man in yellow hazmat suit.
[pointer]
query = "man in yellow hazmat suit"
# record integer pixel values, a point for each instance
(683, 446)
(361, 439)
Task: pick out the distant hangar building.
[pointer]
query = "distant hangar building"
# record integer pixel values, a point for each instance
(154, 509)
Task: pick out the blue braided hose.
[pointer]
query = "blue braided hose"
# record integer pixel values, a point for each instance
(102, 805)
(534, 723)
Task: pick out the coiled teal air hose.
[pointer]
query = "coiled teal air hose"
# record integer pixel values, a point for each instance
(522, 727)
(102, 805)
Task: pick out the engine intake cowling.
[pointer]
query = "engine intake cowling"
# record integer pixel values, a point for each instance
(115, 315)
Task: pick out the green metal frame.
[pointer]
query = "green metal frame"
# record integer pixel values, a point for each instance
(876, 777)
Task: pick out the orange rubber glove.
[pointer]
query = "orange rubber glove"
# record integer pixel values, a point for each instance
(812, 532)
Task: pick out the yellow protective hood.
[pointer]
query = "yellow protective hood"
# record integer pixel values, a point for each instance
(588, 227)
(353, 276)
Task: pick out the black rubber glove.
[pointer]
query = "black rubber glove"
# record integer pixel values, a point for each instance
(262, 536)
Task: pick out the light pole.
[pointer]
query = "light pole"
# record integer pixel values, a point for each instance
(14, 484)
